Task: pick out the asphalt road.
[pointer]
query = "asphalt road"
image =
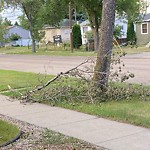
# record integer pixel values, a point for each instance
(139, 64)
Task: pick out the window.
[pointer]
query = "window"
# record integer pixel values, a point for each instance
(144, 28)
(85, 29)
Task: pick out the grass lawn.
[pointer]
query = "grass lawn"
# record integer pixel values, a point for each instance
(7, 132)
(133, 111)
(42, 51)
(55, 51)
(16, 79)
(135, 50)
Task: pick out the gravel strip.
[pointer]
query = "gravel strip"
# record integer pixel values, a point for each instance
(37, 138)
(31, 134)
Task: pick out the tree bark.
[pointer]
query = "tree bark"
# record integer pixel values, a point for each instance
(96, 38)
(102, 67)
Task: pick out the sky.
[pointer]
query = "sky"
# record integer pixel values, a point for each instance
(11, 14)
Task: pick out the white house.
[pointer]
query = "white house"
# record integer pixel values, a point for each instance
(123, 24)
(25, 39)
(85, 26)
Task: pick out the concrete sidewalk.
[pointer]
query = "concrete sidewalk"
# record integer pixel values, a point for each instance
(102, 132)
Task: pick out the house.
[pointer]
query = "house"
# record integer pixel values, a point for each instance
(121, 22)
(143, 30)
(85, 26)
(63, 30)
(25, 38)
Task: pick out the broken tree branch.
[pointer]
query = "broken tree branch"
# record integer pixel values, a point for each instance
(26, 97)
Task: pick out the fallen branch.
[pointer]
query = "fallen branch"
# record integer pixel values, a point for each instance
(26, 97)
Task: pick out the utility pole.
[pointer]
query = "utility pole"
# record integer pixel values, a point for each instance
(70, 24)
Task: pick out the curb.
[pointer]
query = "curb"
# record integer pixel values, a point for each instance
(12, 140)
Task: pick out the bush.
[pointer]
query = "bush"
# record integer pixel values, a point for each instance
(14, 37)
(131, 36)
(76, 34)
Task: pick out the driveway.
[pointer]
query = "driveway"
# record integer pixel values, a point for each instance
(139, 64)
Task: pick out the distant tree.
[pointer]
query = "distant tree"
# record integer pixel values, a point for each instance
(7, 22)
(76, 35)
(89, 35)
(93, 9)
(16, 23)
(131, 36)
(2, 30)
(40, 13)
(14, 37)
(118, 31)
(53, 11)
(132, 10)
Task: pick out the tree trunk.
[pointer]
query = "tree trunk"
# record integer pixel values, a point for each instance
(96, 38)
(102, 67)
(33, 45)
(32, 37)
(31, 26)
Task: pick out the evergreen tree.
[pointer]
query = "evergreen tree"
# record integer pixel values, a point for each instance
(16, 23)
(76, 34)
(131, 37)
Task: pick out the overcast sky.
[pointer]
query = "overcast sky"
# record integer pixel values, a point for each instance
(11, 14)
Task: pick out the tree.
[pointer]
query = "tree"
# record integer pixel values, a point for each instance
(14, 37)
(76, 33)
(2, 30)
(102, 67)
(24, 21)
(117, 31)
(40, 13)
(16, 23)
(131, 36)
(32, 10)
(93, 9)
(7, 22)
(132, 10)
(53, 11)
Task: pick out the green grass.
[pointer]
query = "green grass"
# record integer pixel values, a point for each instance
(7, 132)
(16, 79)
(60, 51)
(42, 51)
(134, 111)
(133, 50)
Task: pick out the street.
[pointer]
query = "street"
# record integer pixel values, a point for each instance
(139, 64)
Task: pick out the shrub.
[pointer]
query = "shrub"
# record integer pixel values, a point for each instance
(131, 36)
(76, 33)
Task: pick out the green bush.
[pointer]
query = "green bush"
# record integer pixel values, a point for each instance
(131, 36)
(76, 34)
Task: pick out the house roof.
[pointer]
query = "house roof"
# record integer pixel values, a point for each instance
(23, 33)
(85, 23)
(63, 24)
(146, 17)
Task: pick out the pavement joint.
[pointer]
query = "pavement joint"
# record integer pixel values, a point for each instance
(121, 137)
(73, 122)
